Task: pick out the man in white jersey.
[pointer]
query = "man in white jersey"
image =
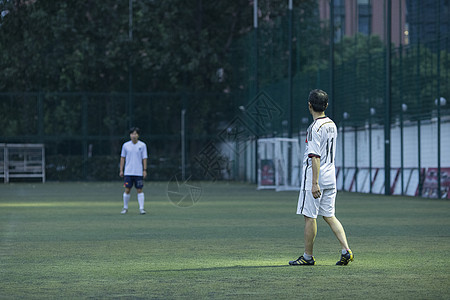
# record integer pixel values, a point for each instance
(134, 159)
(318, 187)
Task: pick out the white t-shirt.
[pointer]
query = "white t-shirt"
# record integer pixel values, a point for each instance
(134, 154)
(320, 142)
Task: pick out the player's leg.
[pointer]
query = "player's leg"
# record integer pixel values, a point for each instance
(128, 184)
(140, 194)
(310, 210)
(327, 210)
(308, 207)
(126, 199)
(338, 231)
(310, 235)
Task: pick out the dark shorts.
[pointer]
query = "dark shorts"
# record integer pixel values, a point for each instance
(137, 181)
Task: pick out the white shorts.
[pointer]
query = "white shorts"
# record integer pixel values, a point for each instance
(322, 206)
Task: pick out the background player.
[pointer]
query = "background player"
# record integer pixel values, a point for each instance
(134, 158)
(318, 188)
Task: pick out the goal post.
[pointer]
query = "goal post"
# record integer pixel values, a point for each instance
(279, 164)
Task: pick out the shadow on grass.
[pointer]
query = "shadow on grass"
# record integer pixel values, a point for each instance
(219, 268)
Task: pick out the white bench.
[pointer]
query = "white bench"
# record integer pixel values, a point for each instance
(22, 161)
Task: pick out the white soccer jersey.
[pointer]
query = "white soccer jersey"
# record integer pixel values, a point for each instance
(134, 154)
(320, 142)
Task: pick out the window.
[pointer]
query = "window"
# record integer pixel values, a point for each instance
(364, 16)
(339, 20)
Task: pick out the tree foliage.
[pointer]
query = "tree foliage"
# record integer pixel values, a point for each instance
(360, 73)
(89, 45)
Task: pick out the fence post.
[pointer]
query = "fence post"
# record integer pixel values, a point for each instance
(6, 159)
(387, 102)
(331, 94)
(291, 104)
(343, 154)
(356, 158)
(418, 89)
(438, 92)
(400, 32)
(370, 148)
(84, 127)
(183, 144)
(255, 30)
(40, 118)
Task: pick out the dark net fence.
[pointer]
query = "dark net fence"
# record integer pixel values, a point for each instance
(83, 132)
(285, 57)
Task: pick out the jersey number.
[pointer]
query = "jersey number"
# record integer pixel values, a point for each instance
(330, 144)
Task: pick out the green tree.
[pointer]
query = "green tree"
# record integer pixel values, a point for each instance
(86, 46)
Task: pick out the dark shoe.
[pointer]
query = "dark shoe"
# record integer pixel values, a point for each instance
(345, 258)
(301, 261)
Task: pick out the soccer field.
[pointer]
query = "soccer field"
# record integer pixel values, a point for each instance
(68, 240)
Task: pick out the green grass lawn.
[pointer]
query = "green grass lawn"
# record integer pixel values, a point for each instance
(68, 240)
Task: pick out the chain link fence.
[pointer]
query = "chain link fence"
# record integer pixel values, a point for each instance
(406, 90)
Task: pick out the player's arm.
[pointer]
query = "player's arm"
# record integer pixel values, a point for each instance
(314, 155)
(122, 164)
(315, 190)
(144, 164)
(144, 160)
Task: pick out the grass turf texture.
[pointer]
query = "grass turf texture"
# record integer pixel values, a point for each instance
(68, 240)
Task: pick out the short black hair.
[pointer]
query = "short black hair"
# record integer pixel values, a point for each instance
(318, 100)
(133, 129)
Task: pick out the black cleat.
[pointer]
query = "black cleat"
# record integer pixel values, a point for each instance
(301, 261)
(345, 258)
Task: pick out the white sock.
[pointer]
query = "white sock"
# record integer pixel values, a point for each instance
(126, 198)
(141, 199)
(307, 256)
(344, 251)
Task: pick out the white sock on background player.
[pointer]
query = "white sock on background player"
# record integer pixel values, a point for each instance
(126, 199)
(141, 199)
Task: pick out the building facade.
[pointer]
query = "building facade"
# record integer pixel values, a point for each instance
(367, 17)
